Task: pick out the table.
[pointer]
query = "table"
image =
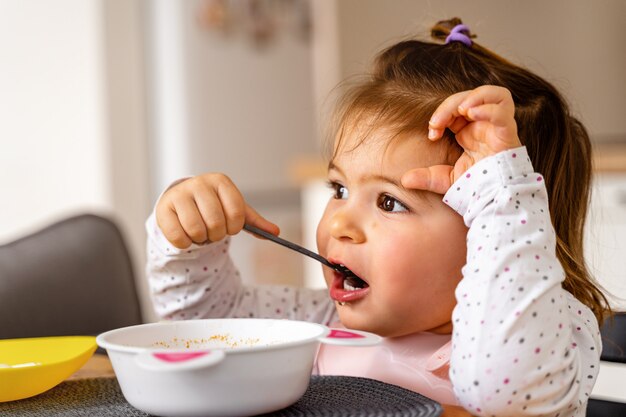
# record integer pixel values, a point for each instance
(99, 366)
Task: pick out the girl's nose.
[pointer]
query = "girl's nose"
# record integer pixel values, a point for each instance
(344, 226)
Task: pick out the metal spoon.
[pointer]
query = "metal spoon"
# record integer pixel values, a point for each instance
(297, 248)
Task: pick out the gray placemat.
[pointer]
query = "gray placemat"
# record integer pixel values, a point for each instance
(327, 396)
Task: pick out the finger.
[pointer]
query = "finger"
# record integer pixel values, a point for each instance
(435, 179)
(233, 205)
(487, 94)
(445, 115)
(492, 113)
(489, 103)
(191, 220)
(255, 219)
(212, 213)
(458, 124)
(170, 226)
(461, 166)
(502, 119)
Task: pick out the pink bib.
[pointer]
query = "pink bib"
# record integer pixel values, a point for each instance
(418, 362)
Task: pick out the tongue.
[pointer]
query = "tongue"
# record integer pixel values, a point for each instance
(355, 281)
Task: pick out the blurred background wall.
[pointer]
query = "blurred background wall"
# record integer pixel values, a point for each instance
(103, 103)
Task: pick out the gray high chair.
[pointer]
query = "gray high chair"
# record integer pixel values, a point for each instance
(74, 277)
(613, 350)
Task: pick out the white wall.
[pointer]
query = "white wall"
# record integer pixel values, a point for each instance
(53, 127)
(128, 169)
(605, 236)
(220, 104)
(72, 122)
(576, 44)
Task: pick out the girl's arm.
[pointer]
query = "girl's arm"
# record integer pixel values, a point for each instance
(201, 281)
(522, 345)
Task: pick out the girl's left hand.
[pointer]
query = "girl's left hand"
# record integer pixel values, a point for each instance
(484, 124)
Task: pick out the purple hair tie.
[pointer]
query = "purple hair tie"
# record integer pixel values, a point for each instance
(457, 35)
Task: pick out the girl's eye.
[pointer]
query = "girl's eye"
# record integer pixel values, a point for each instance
(339, 191)
(390, 204)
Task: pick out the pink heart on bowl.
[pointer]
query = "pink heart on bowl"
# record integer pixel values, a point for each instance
(179, 357)
(342, 334)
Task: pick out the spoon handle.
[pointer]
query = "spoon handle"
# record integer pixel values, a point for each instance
(289, 245)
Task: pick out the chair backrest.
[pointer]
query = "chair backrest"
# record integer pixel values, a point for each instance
(614, 338)
(74, 277)
(613, 333)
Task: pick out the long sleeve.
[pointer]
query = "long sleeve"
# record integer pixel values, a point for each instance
(522, 345)
(202, 281)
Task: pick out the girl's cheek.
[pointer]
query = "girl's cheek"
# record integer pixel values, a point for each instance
(323, 228)
(322, 234)
(322, 237)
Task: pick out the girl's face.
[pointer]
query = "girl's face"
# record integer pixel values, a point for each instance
(406, 246)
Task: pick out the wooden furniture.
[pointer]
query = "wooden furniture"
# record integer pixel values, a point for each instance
(98, 366)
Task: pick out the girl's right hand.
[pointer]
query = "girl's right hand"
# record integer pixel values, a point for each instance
(205, 209)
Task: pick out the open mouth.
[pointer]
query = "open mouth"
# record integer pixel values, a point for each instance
(351, 282)
(347, 286)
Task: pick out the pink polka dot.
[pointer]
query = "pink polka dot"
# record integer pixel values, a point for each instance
(468, 175)
(506, 269)
(537, 350)
(538, 178)
(523, 221)
(536, 256)
(506, 381)
(205, 268)
(514, 155)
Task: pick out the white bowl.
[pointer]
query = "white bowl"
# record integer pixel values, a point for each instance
(219, 367)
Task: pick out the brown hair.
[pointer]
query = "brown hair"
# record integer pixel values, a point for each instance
(411, 78)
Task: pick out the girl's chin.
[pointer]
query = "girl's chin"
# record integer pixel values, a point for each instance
(354, 320)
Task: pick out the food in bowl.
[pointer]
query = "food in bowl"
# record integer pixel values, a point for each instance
(216, 341)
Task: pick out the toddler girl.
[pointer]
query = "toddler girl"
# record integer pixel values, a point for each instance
(482, 296)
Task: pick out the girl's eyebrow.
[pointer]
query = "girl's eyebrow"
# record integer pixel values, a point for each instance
(421, 194)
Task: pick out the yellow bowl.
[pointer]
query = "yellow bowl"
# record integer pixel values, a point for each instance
(31, 366)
